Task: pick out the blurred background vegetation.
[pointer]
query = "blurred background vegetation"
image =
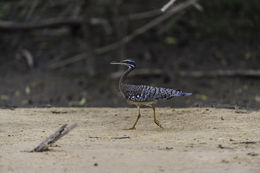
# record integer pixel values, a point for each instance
(58, 52)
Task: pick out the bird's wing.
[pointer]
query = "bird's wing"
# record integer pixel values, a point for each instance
(144, 93)
(167, 93)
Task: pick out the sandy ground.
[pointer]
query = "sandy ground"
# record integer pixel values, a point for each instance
(193, 140)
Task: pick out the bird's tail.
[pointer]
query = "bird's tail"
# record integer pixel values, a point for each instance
(175, 93)
(186, 94)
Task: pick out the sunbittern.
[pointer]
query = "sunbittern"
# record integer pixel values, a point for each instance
(143, 95)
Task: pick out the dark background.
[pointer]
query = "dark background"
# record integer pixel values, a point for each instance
(52, 52)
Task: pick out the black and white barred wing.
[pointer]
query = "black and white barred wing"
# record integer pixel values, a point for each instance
(143, 93)
(167, 93)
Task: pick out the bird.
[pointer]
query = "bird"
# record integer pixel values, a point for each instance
(143, 95)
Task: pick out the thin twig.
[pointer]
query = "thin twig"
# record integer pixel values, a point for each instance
(44, 145)
(142, 15)
(164, 28)
(123, 137)
(28, 57)
(68, 61)
(198, 7)
(32, 9)
(76, 11)
(106, 25)
(166, 6)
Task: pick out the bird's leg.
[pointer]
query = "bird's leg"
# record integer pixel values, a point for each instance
(155, 120)
(138, 117)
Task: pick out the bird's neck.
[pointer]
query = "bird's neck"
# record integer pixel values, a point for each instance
(124, 76)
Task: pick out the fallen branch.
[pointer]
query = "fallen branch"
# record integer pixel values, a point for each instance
(220, 73)
(48, 23)
(43, 146)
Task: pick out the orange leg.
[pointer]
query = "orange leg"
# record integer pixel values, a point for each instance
(138, 117)
(155, 120)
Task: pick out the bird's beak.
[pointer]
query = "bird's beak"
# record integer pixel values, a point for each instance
(113, 62)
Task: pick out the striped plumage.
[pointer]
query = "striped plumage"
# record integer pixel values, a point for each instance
(142, 94)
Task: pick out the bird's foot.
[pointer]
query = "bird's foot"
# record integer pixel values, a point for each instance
(132, 128)
(158, 123)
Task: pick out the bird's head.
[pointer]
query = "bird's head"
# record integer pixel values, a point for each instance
(127, 62)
